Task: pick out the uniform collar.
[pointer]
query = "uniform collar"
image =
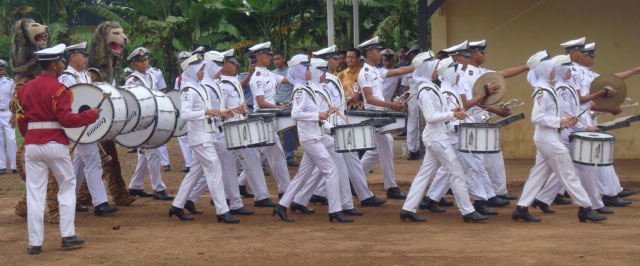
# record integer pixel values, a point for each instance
(73, 70)
(261, 68)
(140, 73)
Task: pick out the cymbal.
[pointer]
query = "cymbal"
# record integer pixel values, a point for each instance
(485, 79)
(612, 82)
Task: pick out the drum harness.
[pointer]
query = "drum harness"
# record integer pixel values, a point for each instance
(310, 92)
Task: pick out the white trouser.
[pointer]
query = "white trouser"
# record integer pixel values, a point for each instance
(587, 177)
(205, 163)
(474, 165)
(494, 163)
(315, 155)
(440, 184)
(384, 154)
(229, 176)
(8, 138)
(252, 172)
(346, 200)
(87, 164)
(149, 162)
(615, 179)
(413, 126)
(164, 155)
(553, 156)
(439, 152)
(277, 163)
(608, 181)
(186, 150)
(38, 159)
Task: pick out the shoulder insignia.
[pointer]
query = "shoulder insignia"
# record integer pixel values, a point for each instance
(470, 72)
(366, 69)
(257, 73)
(573, 69)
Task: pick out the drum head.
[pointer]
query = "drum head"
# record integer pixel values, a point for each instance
(181, 126)
(593, 135)
(85, 97)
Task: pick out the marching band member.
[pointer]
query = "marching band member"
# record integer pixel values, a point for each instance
(86, 157)
(45, 106)
(413, 111)
(187, 154)
(552, 155)
(149, 161)
(195, 107)
(8, 138)
(370, 80)
(439, 149)
(263, 85)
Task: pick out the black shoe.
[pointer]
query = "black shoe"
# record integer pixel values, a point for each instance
(395, 193)
(559, 200)
(3, 171)
(191, 207)
(587, 213)
(543, 206)
(474, 217)
(373, 201)
(179, 213)
(134, 150)
(449, 192)
(140, 193)
(445, 203)
(604, 210)
(282, 212)
(301, 208)
(14, 171)
(404, 215)
(523, 213)
(481, 207)
(403, 134)
(292, 164)
(508, 197)
(242, 211)
(72, 241)
(497, 202)
(319, 199)
(34, 249)
(280, 195)
(162, 195)
(244, 192)
(227, 218)
(80, 208)
(339, 216)
(352, 212)
(626, 193)
(103, 209)
(614, 201)
(185, 170)
(264, 203)
(166, 168)
(413, 156)
(429, 204)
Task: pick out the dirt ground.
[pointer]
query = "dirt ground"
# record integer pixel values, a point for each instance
(147, 236)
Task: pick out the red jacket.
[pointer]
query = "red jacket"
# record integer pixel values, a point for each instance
(45, 99)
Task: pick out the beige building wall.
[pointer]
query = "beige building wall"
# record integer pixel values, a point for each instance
(517, 29)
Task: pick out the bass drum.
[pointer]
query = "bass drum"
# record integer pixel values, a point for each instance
(161, 129)
(181, 126)
(112, 118)
(141, 105)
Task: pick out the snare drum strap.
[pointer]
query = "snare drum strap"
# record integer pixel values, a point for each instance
(553, 96)
(144, 80)
(443, 105)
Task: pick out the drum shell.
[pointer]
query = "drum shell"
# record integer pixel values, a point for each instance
(479, 138)
(247, 133)
(141, 107)
(283, 120)
(354, 137)
(592, 148)
(181, 125)
(160, 130)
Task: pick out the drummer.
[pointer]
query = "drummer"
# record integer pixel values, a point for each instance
(370, 80)
(552, 155)
(148, 159)
(86, 157)
(182, 140)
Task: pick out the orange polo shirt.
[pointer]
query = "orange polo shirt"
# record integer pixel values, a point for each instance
(349, 79)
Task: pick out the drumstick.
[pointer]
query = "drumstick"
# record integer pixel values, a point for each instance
(104, 97)
(585, 110)
(454, 103)
(107, 157)
(335, 110)
(583, 123)
(473, 113)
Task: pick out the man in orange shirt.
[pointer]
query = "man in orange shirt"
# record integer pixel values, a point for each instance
(349, 79)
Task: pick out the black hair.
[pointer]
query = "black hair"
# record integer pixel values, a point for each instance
(45, 64)
(356, 51)
(279, 53)
(344, 52)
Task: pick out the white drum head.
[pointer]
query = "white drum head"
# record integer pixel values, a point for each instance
(593, 135)
(85, 97)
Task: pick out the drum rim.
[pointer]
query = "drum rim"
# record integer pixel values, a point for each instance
(575, 135)
(592, 164)
(256, 145)
(479, 125)
(243, 121)
(112, 114)
(355, 150)
(469, 151)
(139, 111)
(355, 125)
(154, 123)
(178, 111)
(374, 113)
(175, 121)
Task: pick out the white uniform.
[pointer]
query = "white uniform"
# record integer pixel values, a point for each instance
(264, 83)
(150, 161)
(86, 157)
(8, 132)
(305, 113)
(413, 114)
(372, 77)
(551, 155)
(389, 85)
(182, 140)
(160, 85)
(206, 161)
(439, 150)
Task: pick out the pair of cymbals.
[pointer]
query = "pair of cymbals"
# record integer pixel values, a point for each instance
(486, 79)
(609, 82)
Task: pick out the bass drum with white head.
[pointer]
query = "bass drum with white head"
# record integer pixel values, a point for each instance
(141, 106)
(161, 129)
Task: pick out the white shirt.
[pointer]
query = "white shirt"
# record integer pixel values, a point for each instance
(389, 85)
(545, 116)
(465, 87)
(264, 82)
(371, 77)
(143, 79)
(192, 111)
(159, 78)
(176, 84)
(452, 100)
(336, 92)
(433, 108)
(71, 77)
(305, 113)
(234, 95)
(6, 92)
(568, 105)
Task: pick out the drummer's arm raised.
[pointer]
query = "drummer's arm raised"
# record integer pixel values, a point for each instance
(590, 97)
(368, 96)
(399, 71)
(628, 73)
(514, 71)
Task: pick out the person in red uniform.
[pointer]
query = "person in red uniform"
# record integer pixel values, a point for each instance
(45, 107)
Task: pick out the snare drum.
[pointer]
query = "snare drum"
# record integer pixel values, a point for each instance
(592, 148)
(112, 118)
(283, 120)
(354, 137)
(384, 121)
(479, 137)
(160, 130)
(141, 107)
(181, 126)
(247, 133)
